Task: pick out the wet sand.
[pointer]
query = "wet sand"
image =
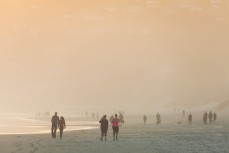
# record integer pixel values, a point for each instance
(133, 138)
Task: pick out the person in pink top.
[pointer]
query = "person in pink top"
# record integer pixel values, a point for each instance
(115, 127)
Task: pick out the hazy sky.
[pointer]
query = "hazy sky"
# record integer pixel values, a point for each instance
(111, 55)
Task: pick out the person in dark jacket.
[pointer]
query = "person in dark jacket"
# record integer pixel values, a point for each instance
(158, 116)
(205, 118)
(210, 116)
(104, 127)
(144, 119)
(61, 125)
(214, 117)
(55, 120)
(190, 119)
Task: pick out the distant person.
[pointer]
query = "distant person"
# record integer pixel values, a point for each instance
(55, 120)
(144, 119)
(158, 116)
(183, 113)
(121, 119)
(205, 118)
(210, 116)
(111, 119)
(214, 116)
(190, 119)
(61, 125)
(104, 127)
(115, 127)
(97, 115)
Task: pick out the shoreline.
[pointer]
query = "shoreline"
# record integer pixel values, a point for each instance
(47, 131)
(30, 126)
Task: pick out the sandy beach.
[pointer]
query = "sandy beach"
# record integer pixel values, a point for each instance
(134, 137)
(83, 59)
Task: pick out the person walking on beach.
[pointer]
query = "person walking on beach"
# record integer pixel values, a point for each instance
(183, 113)
(121, 119)
(61, 126)
(104, 127)
(190, 119)
(111, 119)
(115, 127)
(144, 119)
(158, 116)
(214, 116)
(210, 116)
(205, 118)
(55, 120)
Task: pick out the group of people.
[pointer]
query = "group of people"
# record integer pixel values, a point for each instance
(121, 119)
(104, 126)
(57, 123)
(210, 116)
(60, 123)
(158, 117)
(115, 122)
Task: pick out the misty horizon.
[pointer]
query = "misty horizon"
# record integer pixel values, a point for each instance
(132, 56)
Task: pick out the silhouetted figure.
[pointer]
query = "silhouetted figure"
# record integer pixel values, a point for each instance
(61, 125)
(115, 127)
(111, 119)
(183, 113)
(144, 119)
(55, 120)
(205, 118)
(214, 116)
(103, 127)
(121, 119)
(158, 116)
(210, 116)
(190, 119)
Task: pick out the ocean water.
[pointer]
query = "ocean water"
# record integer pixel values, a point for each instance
(10, 125)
